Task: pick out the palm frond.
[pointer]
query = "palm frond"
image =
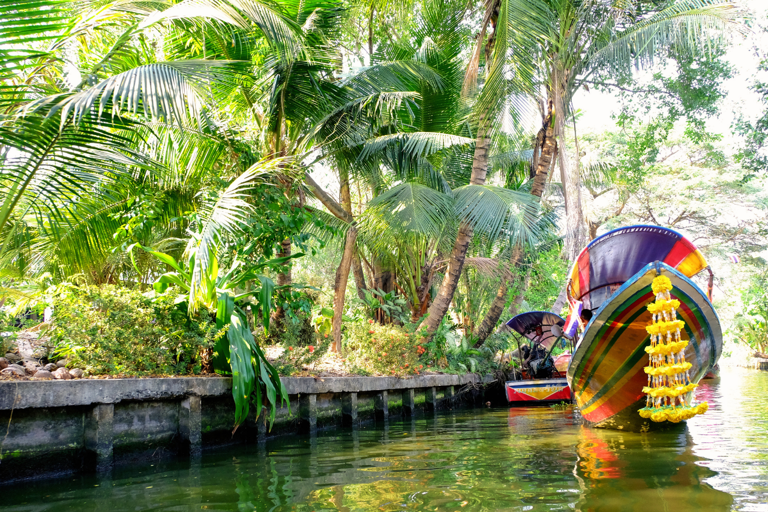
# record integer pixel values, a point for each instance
(498, 212)
(690, 24)
(414, 145)
(407, 208)
(169, 91)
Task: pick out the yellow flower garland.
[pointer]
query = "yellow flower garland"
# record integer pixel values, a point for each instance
(669, 382)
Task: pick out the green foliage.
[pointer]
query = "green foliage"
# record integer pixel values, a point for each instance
(548, 273)
(109, 330)
(206, 287)
(753, 154)
(382, 349)
(385, 306)
(295, 358)
(751, 324)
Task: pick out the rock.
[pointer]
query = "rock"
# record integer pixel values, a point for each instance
(31, 367)
(76, 373)
(51, 367)
(62, 374)
(43, 375)
(61, 363)
(12, 358)
(39, 353)
(14, 369)
(3, 363)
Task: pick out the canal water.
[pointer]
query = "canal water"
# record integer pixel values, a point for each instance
(470, 460)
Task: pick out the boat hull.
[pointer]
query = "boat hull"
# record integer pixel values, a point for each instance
(606, 373)
(531, 392)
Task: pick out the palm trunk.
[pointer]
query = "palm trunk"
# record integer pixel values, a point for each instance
(442, 302)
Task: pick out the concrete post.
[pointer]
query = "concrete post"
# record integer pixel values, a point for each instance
(190, 424)
(99, 435)
(308, 413)
(449, 395)
(382, 405)
(431, 398)
(349, 409)
(409, 403)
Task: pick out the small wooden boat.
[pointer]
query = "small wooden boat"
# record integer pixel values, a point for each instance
(612, 280)
(537, 334)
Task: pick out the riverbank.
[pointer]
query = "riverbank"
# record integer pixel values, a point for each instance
(87, 425)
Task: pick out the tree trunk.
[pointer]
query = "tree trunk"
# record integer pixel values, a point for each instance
(497, 306)
(342, 273)
(546, 152)
(574, 231)
(340, 286)
(357, 270)
(284, 278)
(442, 302)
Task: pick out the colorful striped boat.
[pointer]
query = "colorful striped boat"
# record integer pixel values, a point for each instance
(538, 380)
(612, 280)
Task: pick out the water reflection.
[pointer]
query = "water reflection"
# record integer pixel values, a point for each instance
(479, 460)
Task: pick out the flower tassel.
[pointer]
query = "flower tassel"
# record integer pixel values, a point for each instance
(669, 381)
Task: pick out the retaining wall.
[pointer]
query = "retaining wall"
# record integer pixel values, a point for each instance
(86, 425)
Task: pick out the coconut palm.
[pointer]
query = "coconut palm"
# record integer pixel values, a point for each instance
(569, 42)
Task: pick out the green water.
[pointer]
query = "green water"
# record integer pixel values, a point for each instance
(482, 459)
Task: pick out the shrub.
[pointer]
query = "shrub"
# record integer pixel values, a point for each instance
(112, 330)
(382, 349)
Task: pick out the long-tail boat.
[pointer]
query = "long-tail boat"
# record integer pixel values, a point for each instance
(615, 383)
(539, 380)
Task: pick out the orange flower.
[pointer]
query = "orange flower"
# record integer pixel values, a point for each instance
(384, 354)
(370, 321)
(311, 349)
(421, 366)
(290, 348)
(371, 332)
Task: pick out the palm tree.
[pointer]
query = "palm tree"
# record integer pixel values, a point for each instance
(74, 152)
(570, 41)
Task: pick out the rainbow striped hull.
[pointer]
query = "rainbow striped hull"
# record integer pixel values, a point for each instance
(606, 373)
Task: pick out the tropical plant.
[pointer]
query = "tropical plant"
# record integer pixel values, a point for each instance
(385, 307)
(219, 292)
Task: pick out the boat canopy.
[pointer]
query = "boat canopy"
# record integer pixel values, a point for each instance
(526, 324)
(610, 260)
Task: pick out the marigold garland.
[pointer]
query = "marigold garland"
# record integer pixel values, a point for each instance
(669, 382)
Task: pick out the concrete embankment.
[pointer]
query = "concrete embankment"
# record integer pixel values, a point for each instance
(60, 427)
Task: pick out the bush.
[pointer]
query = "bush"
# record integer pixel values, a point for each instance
(382, 349)
(113, 330)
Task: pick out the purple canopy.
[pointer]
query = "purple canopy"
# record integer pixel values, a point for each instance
(610, 260)
(526, 324)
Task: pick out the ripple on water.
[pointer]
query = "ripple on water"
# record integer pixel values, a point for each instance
(483, 459)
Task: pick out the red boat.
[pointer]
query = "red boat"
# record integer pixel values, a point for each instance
(540, 379)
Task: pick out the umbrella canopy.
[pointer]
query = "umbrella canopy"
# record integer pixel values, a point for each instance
(526, 324)
(612, 259)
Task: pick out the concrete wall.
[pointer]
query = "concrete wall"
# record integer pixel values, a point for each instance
(57, 427)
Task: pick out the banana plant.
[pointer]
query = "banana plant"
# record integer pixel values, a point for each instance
(221, 292)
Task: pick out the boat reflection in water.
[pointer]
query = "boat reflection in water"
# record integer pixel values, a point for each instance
(643, 472)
